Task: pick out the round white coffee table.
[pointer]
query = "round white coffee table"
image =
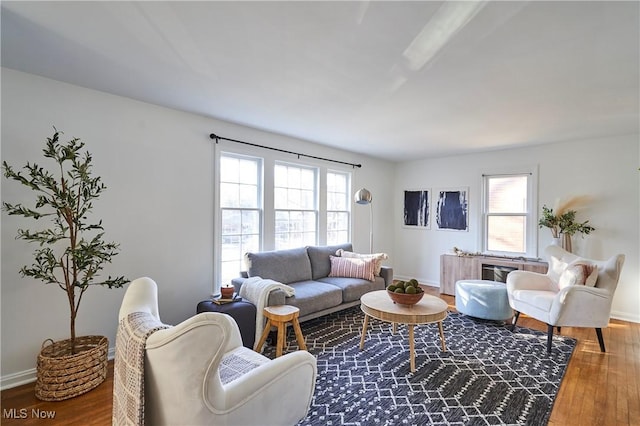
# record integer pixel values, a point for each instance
(378, 305)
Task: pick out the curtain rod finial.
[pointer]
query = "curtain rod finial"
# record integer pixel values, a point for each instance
(213, 136)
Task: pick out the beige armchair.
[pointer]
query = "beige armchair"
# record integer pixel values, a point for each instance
(552, 299)
(198, 372)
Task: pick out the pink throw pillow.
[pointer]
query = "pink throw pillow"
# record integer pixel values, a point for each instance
(350, 267)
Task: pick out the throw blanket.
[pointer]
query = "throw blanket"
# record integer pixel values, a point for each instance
(128, 369)
(256, 290)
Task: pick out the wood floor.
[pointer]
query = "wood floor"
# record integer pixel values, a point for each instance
(598, 389)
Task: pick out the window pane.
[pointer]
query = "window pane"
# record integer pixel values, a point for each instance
(293, 199)
(307, 200)
(229, 169)
(507, 194)
(248, 172)
(250, 222)
(307, 179)
(293, 177)
(280, 176)
(230, 248)
(506, 233)
(228, 195)
(248, 196)
(338, 237)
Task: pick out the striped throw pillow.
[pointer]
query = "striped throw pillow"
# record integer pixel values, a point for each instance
(352, 267)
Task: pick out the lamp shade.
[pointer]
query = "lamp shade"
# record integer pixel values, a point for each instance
(363, 196)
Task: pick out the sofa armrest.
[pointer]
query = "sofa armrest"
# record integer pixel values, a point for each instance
(289, 378)
(527, 280)
(276, 297)
(237, 283)
(581, 306)
(386, 272)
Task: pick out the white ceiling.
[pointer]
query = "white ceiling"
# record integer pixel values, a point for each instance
(392, 79)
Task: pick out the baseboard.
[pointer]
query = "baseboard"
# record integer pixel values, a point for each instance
(29, 376)
(625, 316)
(17, 379)
(422, 281)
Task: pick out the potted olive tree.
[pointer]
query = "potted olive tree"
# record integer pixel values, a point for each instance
(563, 224)
(70, 253)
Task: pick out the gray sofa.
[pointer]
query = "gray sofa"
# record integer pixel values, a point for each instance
(306, 269)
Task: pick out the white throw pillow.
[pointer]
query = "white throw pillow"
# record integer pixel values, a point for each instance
(579, 273)
(377, 257)
(556, 268)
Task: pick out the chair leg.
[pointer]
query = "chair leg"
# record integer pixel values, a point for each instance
(515, 320)
(558, 328)
(549, 337)
(600, 339)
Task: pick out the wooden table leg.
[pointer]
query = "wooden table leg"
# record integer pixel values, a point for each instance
(394, 327)
(364, 330)
(282, 329)
(444, 347)
(299, 336)
(263, 338)
(412, 351)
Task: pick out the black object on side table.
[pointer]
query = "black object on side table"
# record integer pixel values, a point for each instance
(244, 313)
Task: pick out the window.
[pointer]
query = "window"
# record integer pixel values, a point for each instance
(266, 204)
(295, 204)
(240, 209)
(338, 205)
(509, 225)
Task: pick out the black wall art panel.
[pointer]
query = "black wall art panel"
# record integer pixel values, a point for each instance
(416, 209)
(452, 209)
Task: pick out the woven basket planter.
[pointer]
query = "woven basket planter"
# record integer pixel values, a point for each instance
(62, 375)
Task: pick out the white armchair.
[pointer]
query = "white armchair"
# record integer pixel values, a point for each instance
(543, 297)
(198, 372)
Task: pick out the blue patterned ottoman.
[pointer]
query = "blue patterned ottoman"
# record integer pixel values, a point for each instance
(483, 299)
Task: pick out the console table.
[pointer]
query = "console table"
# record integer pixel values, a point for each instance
(454, 268)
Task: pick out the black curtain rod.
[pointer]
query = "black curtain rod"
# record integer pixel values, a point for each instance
(217, 138)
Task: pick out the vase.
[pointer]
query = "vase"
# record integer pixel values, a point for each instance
(566, 242)
(556, 241)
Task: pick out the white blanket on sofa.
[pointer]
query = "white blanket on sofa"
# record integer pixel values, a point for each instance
(256, 290)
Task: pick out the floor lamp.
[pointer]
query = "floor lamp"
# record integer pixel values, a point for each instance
(363, 196)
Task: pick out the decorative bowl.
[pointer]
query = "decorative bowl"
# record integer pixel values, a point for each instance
(404, 298)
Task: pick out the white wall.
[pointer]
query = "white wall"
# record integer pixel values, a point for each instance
(605, 169)
(158, 166)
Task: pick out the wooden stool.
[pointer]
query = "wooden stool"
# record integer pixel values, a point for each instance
(279, 316)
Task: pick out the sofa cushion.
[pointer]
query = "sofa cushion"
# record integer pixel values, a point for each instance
(285, 266)
(319, 257)
(354, 288)
(314, 296)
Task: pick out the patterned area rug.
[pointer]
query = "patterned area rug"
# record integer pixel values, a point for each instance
(488, 376)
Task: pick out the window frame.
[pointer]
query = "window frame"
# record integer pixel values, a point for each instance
(297, 209)
(221, 209)
(530, 215)
(347, 201)
(267, 180)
